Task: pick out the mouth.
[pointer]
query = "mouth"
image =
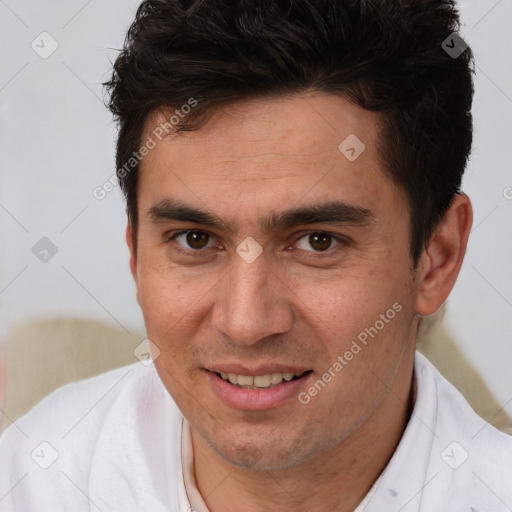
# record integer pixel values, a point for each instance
(266, 381)
(263, 390)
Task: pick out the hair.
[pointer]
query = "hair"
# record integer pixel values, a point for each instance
(385, 56)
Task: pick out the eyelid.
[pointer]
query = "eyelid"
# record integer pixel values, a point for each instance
(342, 241)
(170, 237)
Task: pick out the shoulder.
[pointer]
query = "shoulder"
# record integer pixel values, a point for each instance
(472, 459)
(453, 412)
(79, 403)
(51, 454)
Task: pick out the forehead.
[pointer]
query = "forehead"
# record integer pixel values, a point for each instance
(270, 151)
(300, 125)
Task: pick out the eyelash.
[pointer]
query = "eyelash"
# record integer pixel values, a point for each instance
(199, 253)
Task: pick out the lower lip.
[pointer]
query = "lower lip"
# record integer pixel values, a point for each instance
(256, 399)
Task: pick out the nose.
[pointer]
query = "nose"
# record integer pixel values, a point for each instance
(252, 303)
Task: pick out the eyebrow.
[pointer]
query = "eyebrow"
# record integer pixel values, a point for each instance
(332, 212)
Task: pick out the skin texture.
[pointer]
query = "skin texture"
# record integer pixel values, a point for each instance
(294, 305)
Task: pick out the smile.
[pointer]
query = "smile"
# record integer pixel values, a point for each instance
(260, 391)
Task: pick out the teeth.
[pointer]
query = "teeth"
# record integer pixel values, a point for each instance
(245, 380)
(258, 381)
(276, 378)
(262, 381)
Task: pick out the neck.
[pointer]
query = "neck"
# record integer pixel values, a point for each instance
(337, 480)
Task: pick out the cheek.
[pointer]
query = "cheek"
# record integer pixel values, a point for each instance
(162, 287)
(174, 303)
(364, 326)
(345, 304)
(162, 305)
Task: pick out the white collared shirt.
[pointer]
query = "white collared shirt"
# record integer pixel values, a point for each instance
(117, 442)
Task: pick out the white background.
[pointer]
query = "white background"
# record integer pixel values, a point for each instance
(57, 145)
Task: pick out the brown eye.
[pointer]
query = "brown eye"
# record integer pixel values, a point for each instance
(317, 241)
(192, 239)
(197, 239)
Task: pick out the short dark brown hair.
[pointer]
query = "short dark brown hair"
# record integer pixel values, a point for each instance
(384, 55)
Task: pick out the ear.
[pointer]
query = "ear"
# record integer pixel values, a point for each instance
(133, 256)
(440, 263)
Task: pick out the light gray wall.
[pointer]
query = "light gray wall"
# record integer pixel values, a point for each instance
(57, 145)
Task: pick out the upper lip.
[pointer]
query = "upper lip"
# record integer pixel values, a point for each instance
(240, 369)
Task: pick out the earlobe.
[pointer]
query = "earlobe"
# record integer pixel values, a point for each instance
(441, 261)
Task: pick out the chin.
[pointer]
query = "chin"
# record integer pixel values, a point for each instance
(266, 456)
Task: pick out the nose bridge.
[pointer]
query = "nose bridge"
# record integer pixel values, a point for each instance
(252, 304)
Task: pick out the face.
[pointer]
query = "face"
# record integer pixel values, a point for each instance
(264, 251)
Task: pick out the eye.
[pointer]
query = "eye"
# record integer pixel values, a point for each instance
(318, 240)
(192, 240)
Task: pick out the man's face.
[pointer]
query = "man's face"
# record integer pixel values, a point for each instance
(213, 304)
